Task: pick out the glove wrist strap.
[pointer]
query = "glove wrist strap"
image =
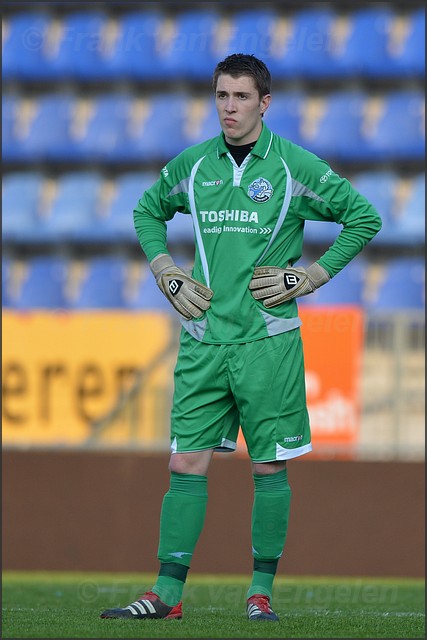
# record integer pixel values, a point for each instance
(317, 275)
(160, 263)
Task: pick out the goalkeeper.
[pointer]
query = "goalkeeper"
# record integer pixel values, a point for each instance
(240, 363)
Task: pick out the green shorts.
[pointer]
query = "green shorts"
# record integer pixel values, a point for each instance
(258, 386)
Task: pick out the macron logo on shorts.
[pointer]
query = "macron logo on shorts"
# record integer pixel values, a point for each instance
(293, 439)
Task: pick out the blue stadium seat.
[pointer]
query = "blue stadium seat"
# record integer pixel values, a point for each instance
(8, 124)
(396, 128)
(72, 214)
(98, 127)
(155, 129)
(346, 288)
(135, 53)
(102, 286)
(324, 119)
(6, 266)
(360, 43)
(20, 205)
(379, 188)
(189, 51)
(407, 52)
(402, 286)
(303, 47)
(284, 115)
(24, 43)
(251, 32)
(40, 128)
(116, 220)
(79, 50)
(201, 120)
(319, 232)
(409, 224)
(44, 285)
(180, 229)
(146, 295)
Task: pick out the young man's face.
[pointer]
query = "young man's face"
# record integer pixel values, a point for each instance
(239, 108)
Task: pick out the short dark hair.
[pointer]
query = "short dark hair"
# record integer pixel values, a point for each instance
(243, 64)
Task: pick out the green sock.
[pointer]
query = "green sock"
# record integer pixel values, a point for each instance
(263, 577)
(181, 522)
(270, 515)
(170, 582)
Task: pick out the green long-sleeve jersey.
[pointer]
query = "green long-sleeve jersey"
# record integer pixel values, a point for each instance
(247, 216)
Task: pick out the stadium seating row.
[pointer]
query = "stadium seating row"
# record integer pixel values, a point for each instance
(119, 127)
(85, 207)
(114, 282)
(145, 45)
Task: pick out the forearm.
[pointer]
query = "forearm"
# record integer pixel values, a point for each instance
(348, 244)
(151, 233)
(341, 203)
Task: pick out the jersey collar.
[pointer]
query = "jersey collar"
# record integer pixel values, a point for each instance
(261, 148)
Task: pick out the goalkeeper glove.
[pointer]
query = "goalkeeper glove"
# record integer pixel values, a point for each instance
(274, 285)
(189, 297)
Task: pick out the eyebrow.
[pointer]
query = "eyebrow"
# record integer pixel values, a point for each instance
(240, 93)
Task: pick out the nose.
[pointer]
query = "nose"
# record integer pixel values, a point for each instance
(230, 105)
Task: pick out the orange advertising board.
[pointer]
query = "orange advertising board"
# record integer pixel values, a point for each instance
(333, 345)
(68, 378)
(106, 378)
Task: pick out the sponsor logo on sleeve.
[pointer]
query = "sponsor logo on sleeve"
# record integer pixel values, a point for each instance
(326, 176)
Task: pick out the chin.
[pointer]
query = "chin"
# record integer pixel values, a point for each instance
(233, 136)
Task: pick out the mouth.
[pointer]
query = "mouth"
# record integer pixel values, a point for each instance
(229, 121)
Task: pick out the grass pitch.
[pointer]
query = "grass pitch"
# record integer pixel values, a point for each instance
(67, 605)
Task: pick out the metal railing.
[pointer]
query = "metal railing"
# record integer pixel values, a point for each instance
(393, 386)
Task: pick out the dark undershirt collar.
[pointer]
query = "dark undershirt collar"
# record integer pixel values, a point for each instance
(239, 152)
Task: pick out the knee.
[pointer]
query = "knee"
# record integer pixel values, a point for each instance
(268, 468)
(195, 463)
(179, 465)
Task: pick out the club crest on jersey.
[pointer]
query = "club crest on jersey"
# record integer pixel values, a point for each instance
(260, 190)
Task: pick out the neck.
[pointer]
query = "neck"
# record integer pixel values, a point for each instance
(240, 151)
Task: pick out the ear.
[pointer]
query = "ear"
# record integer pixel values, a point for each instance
(265, 103)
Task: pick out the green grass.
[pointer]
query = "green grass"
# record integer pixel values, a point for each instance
(67, 605)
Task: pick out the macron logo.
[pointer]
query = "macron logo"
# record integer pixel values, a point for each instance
(212, 183)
